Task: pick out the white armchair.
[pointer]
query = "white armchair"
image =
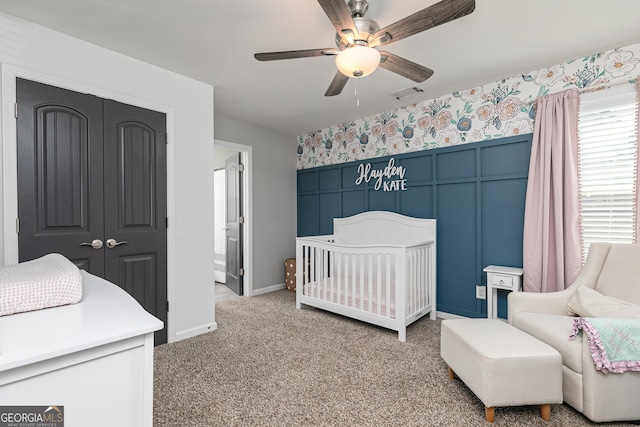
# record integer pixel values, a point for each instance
(612, 270)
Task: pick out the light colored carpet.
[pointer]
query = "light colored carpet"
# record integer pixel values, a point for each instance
(269, 364)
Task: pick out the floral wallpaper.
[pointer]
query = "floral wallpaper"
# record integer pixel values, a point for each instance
(495, 110)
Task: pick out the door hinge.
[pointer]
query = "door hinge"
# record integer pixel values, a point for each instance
(167, 305)
(240, 167)
(241, 220)
(15, 110)
(241, 272)
(17, 225)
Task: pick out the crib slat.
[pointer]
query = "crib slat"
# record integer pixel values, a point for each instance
(369, 279)
(325, 273)
(312, 268)
(379, 281)
(423, 277)
(362, 298)
(343, 293)
(305, 257)
(416, 281)
(354, 275)
(331, 275)
(410, 281)
(339, 276)
(388, 283)
(420, 302)
(316, 255)
(301, 267)
(319, 273)
(414, 284)
(316, 285)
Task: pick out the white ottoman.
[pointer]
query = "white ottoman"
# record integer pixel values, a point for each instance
(502, 365)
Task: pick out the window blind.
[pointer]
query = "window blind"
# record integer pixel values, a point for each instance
(607, 130)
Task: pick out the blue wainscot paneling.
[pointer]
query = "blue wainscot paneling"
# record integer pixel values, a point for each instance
(475, 191)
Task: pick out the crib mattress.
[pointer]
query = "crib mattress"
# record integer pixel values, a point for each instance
(361, 301)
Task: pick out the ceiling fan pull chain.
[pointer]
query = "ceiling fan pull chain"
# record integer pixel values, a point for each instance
(357, 97)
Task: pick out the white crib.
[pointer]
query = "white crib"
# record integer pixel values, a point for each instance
(378, 267)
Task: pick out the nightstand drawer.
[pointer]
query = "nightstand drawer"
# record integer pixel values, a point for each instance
(500, 281)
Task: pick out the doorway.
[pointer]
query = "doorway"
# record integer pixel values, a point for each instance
(92, 185)
(224, 237)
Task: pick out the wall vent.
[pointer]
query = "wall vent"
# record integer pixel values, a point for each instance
(405, 93)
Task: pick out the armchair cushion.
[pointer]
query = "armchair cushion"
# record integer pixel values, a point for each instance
(619, 274)
(587, 302)
(554, 330)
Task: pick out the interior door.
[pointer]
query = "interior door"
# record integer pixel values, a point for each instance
(135, 197)
(234, 220)
(60, 175)
(92, 186)
(219, 225)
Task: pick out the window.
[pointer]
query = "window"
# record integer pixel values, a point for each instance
(607, 132)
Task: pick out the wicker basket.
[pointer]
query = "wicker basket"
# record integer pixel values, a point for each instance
(290, 274)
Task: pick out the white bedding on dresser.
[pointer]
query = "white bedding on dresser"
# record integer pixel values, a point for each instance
(49, 281)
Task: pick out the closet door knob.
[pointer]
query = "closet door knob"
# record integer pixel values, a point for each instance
(112, 243)
(95, 244)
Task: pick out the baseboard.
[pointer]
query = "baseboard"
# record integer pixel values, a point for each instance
(443, 315)
(268, 289)
(192, 332)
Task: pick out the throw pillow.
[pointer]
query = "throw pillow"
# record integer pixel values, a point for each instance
(587, 302)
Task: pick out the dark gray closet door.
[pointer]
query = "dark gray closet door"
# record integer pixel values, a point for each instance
(135, 195)
(94, 170)
(60, 170)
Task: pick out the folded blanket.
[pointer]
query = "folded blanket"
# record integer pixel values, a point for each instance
(614, 343)
(48, 281)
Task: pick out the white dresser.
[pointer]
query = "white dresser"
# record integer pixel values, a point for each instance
(95, 358)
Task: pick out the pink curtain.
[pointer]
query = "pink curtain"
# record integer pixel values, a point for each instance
(552, 252)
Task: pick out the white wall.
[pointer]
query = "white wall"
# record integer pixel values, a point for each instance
(220, 155)
(190, 103)
(274, 196)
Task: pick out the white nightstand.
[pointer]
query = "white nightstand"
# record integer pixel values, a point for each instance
(507, 278)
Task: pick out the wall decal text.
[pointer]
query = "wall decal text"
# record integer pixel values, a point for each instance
(394, 176)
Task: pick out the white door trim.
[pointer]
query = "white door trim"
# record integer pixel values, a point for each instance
(247, 195)
(8, 141)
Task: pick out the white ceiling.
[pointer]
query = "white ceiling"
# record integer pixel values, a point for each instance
(214, 41)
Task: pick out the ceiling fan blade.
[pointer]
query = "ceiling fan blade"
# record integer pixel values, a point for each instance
(292, 54)
(340, 16)
(337, 84)
(439, 13)
(404, 67)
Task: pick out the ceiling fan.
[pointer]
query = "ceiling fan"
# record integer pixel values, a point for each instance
(357, 37)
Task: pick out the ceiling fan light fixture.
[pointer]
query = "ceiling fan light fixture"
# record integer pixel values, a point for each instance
(358, 61)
